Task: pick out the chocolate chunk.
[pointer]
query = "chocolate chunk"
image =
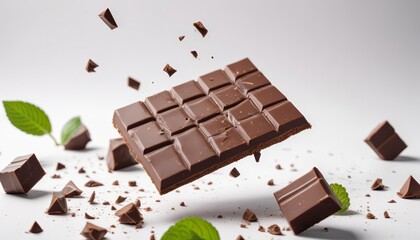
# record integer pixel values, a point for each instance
(169, 70)
(219, 216)
(257, 156)
(79, 139)
(239, 237)
(60, 166)
(261, 229)
(137, 203)
(182, 204)
(377, 185)
(35, 228)
(181, 38)
(108, 19)
(270, 182)
(307, 201)
(410, 189)
(234, 173)
(55, 176)
(370, 216)
(93, 183)
(115, 183)
(113, 208)
(152, 236)
(200, 27)
(129, 215)
(87, 216)
(132, 183)
(278, 167)
(93, 232)
(106, 203)
(133, 83)
(58, 204)
(367, 195)
(385, 141)
(120, 199)
(92, 198)
(249, 216)
(242, 225)
(194, 53)
(71, 190)
(392, 201)
(81, 170)
(274, 229)
(386, 214)
(90, 66)
(21, 174)
(119, 156)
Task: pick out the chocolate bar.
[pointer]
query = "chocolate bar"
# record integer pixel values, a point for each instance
(200, 126)
(307, 201)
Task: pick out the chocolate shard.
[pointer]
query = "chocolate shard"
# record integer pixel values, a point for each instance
(120, 199)
(115, 183)
(194, 53)
(92, 198)
(410, 189)
(261, 229)
(71, 190)
(35, 228)
(90, 66)
(169, 70)
(201, 28)
(87, 216)
(385, 141)
(377, 185)
(108, 19)
(60, 166)
(234, 173)
(307, 201)
(129, 214)
(180, 38)
(58, 204)
(249, 216)
(137, 203)
(119, 156)
(93, 183)
(93, 232)
(270, 182)
(79, 139)
(21, 174)
(81, 170)
(257, 156)
(274, 229)
(132, 183)
(370, 216)
(386, 214)
(133, 83)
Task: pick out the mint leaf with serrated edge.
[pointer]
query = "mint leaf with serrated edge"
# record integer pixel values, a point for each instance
(69, 129)
(28, 118)
(191, 228)
(342, 196)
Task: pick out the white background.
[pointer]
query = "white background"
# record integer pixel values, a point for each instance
(347, 65)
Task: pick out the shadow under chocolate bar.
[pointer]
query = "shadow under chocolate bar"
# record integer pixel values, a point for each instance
(200, 126)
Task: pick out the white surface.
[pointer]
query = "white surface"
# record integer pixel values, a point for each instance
(347, 65)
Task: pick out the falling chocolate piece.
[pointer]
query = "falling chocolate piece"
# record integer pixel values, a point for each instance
(58, 204)
(133, 83)
(377, 185)
(90, 66)
(234, 173)
(93, 183)
(81, 170)
(56, 176)
(278, 167)
(182, 204)
(386, 214)
(129, 215)
(370, 216)
(410, 189)
(120, 199)
(181, 38)
(21, 174)
(249, 216)
(257, 156)
(194, 53)
(79, 139)
(274, 229)
(118, 155)
(261, 229)
(137, 203)
(270, 182)
(169, 70)
(132, 183)
(87, 216)
(35, 228)
(92, 197)
(108, 19)
(106, 203)
(200, 27)
(93, 232)
(71, 190)
(113, 208)
(60, 166)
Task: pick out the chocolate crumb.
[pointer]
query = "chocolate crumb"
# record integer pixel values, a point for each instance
(92, 197)
(182, 204)
(219, 216)
(139, 225)
(100, 157)
(90, 66)
(93, 183)
(152, 237)
(288, 229)
(181, 38)
(249, 216)
(239, 237)
(367, 195)
(113, 208)
(132, 183)
(392, 201)
(55, 176)
(73, 215)
(115, 183)
(270, 182)
(261, 229)
(242, 225)
(278, 167)
(274, 229)
(106, 203)
(201, 28)
(386, 214)
(377, 185)
(137, 203)
(87, 216)
(194, 53)
(113, 226)
(60, 166)
(325, 229)
(257, 156)
(35, 228)
(169, 70)
(148, 209)
(120, 199)
(234, 172)
(82, 170)
(370, 216)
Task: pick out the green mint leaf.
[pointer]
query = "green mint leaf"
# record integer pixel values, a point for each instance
(27, 117)
(342, 196)
(192, 228)
(69, 129)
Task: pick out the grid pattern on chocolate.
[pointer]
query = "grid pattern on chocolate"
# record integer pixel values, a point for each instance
(203, 124)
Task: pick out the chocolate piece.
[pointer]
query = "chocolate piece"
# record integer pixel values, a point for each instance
(249, 216)
(71, 190)
(385, 141)
(92, 197)
(257, 157)
(108, 19)
(21, 174)
(211, 115)
(115, 183)
(137, 203)
(307, 201)
(113, 208)
(370, 216)
(377, 185)
(261, 229)
(120, 199)
(55, 176)
(118, 155)
(87, 216)
(106, 203)
(181, 38)
(274, 229)
(58, 204)
(79, 139)
(93, 183)
(410, 189)
(81, 170)
(129, 215)
(270, 182)
(60, 166)
(132, 183)
(234, 173)
(278, 167)
(392, 201)
(133, 83)
(239, 237)
(182, 204)
(386, 214)
(35, 228)
(169, 70)
(93, 232)
(194, 53)
(200, 27)
(90, 66)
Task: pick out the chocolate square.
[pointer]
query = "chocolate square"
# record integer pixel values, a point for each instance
(186, 92)
(256, 129)
(215, 126)
(160, 102)
(149, 137)
(284, 117)
(213, 80)
(266, 97)
(133, 115)
(202, 109)
(228, 143)
(227, 97)
(240, 68)
(242, 111)
(251, 82)
(174, 121)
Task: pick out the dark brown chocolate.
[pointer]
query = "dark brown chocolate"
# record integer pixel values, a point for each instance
(274, 229)
(90, 66)
(21, 174)
(234, 173)
(194, 53)
(79, 139)
(108, 19)
(377, 185)
(92, 197)
(58, 204)
(129, 214)
(249, 216)
(133, 83)
(226, 118)
(307, 201)
(118, 155)
(169, 70)
(410, 189)
(93, 232)
(60, 166)
(71, 190)
(93, 183)
(120, 199)
(201, 28)
(180, 38)
(386, 214)
(87, 216)
(35, 228)
(385, 141)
